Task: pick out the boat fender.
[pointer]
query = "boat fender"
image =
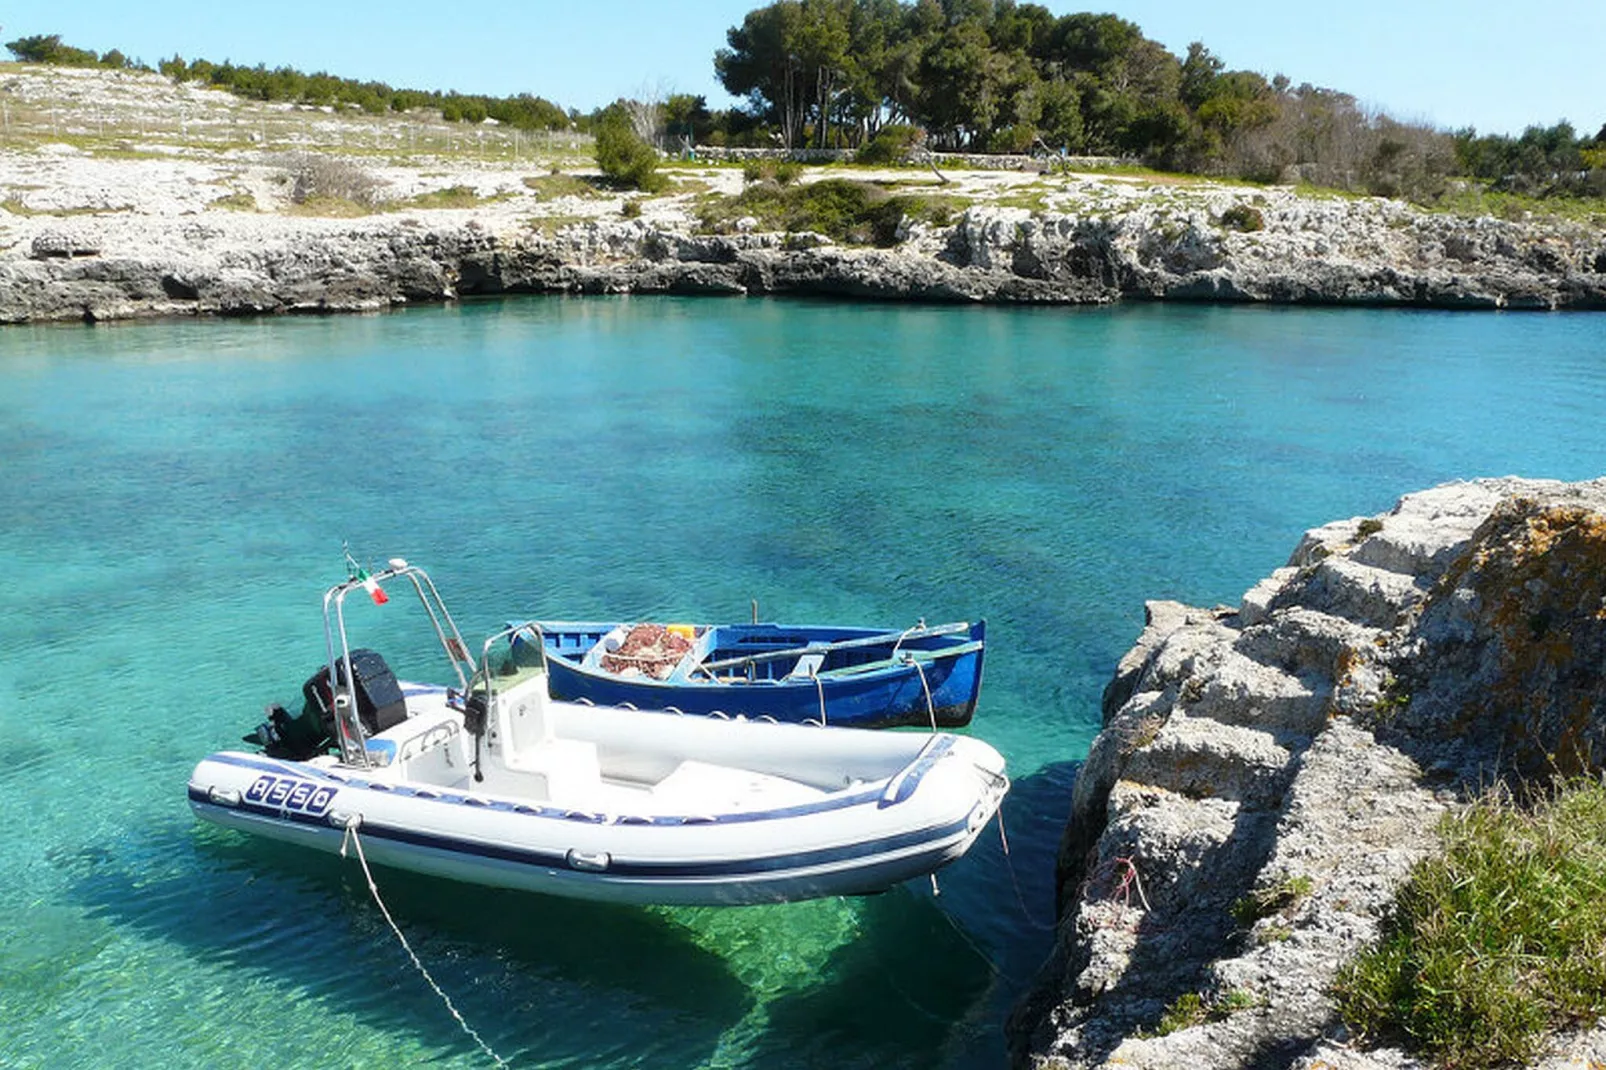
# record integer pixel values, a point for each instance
(222, 796)
(590, 861)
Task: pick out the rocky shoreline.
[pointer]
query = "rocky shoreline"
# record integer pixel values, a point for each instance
(1269, 773)
(123, 195)
(1372, 253)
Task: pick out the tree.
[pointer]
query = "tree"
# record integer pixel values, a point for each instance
(760, 65)
(47, 48)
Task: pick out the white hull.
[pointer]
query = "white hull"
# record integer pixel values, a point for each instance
(625, 806)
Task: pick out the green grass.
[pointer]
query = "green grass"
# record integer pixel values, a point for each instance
(1498, 941)
(235, 202)
(15, 206)
(1475, 203)
(1277, 899)
(450, 197)
(1191, 1009)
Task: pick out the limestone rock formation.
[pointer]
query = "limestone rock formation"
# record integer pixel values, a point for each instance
(1268, 775)
(1093, 249)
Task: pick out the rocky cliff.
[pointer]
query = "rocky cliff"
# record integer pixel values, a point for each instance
(119, 265)
(1269, 773)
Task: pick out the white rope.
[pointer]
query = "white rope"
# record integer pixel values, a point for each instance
(820, 687)
(926, 688)
(352, 837)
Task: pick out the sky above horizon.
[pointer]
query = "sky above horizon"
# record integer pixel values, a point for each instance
(1449, 64)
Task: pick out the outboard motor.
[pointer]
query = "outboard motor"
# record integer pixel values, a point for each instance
(379, 698)
(295, 738)
(380, 705)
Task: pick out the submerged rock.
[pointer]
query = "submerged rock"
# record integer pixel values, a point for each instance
(1267, 777)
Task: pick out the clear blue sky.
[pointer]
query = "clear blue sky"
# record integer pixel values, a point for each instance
(1451, 63)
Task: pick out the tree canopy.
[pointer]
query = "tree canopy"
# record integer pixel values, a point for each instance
(977, 75)
(1002, 76)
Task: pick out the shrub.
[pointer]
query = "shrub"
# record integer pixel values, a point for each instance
(893, 143)
(625, 159)
(788, 172)
(843, 209)
(316, 177)
(1496, 941)
(1243, 217)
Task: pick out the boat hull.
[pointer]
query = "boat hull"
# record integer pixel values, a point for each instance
(937, 687)
(857, 844)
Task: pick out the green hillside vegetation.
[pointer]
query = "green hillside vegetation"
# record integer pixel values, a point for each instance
(891, 78)
(997, 76)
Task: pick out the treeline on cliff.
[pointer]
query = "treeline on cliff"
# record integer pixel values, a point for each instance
(885, 77)
(320, 89)
(997, 76)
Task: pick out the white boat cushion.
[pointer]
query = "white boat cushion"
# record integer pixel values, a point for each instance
(702, 787)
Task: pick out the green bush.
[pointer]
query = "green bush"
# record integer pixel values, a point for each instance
(1496, 942)
(625, 159)
(842, 209)
(893, 143)
(1243, 217)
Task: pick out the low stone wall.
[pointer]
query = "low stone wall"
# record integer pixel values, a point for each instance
(968, 161)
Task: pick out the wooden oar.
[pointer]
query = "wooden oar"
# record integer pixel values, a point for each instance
(841, 644)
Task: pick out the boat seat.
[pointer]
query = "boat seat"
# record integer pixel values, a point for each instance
(807, 667)
(569, 766)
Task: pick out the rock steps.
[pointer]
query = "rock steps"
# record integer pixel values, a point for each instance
(1231, 772)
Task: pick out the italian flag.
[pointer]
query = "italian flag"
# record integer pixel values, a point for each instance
(371, 585)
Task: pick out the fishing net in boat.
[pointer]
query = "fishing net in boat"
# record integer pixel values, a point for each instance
(649, 650)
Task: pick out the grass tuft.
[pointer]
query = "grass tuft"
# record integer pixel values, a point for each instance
(1277, 899)
(1496, 942)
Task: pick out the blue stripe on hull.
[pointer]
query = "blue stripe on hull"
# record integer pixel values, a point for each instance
(767, 866)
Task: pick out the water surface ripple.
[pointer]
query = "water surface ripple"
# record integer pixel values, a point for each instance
(175, 497)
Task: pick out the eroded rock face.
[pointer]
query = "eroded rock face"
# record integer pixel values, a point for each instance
(1363, 252)
(1267, 777)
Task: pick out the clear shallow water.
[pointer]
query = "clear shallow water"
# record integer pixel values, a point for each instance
(173, 498)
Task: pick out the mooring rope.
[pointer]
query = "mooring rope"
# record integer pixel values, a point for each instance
(352, 837)
(1009, 862)
(819, 686)
(930, 709)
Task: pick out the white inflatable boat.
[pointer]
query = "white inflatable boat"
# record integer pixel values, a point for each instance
(493, 782)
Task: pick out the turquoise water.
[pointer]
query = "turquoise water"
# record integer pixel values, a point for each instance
(175, 498)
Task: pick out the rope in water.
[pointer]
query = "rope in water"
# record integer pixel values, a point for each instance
(352, 838)
(1003, 838)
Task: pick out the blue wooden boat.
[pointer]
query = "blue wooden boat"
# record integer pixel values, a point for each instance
(858, 677)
